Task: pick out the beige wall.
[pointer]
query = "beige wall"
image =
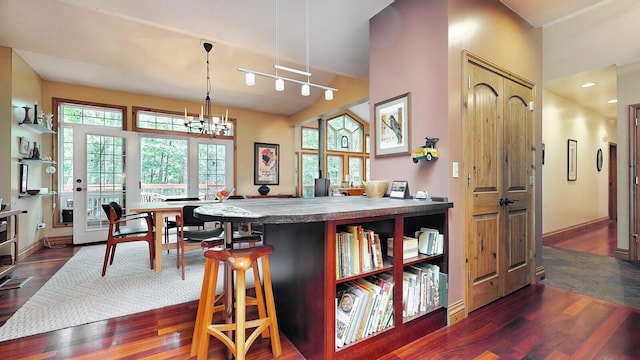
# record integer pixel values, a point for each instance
(5, 122)
(628, 94)
(26, 89)
(416, 46)
(570, 203)
(252, 126)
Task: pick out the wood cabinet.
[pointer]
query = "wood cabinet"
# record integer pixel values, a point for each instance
(305, 281)
(9, 240)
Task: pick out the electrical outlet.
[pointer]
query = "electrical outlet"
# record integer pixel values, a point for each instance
(42, 225)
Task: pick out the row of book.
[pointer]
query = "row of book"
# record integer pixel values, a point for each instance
(363, 307)
(422, 286)
(357, 250)
(430, 241)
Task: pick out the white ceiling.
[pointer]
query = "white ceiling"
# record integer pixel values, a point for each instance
(154, 46)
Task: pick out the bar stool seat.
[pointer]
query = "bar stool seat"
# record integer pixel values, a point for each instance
(238, 261)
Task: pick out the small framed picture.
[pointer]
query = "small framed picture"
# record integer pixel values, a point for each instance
(392, 126)
(25, 146)
(266, 164)
(399, 190)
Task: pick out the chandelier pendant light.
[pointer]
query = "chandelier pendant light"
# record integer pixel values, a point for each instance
(207, 124)
(305, 86)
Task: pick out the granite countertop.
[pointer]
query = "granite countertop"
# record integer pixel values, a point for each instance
(299, 210)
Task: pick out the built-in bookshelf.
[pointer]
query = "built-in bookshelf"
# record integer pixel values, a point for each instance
(384, 297)
(310, 273)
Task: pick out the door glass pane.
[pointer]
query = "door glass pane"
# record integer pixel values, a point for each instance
(211, 170)
(163, 168)
(355, 171)
(105, 177)
(334, 169)
(310, 170)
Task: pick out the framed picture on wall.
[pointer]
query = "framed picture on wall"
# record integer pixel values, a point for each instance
(25, 146)
(392, 126)
(572, 160)
(266, 164)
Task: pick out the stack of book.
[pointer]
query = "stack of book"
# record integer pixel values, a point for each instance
(409, 247)
(363, 308)
(420, 289)
(357, 250)
(430, 241)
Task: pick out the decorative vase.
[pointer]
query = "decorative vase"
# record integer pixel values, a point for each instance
(263, 190)
(36, 151)
(26, 120)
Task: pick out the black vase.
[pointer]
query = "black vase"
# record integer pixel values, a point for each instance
(263, 190)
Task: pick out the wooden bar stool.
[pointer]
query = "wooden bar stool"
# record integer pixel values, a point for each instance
(238, 261)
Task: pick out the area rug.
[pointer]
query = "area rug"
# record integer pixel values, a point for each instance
(77, 294)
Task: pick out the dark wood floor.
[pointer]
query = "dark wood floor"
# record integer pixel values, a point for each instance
(600, 239)
(537, 322)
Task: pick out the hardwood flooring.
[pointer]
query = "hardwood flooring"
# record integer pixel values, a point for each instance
(537, 322)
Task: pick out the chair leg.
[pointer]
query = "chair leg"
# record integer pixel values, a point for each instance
(113, 253)
(207, 298)
(106, 258)
(276, 346)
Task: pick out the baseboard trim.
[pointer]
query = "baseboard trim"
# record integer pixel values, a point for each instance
(540, 274)
(456, 312)
(52, 241)
(552, 236)
(623, 254)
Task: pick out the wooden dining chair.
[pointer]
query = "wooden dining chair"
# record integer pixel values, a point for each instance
(120, 232)
(195, 239)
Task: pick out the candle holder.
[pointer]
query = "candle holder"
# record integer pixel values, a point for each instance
(35, 113)
(26, 120)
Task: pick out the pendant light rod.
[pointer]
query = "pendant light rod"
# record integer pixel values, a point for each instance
(285, 68)
(271, 76)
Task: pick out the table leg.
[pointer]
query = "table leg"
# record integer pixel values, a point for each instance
(159, 221)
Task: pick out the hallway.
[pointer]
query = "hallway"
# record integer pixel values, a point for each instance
(585, 264)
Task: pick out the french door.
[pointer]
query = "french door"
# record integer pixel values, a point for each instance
(104, 170)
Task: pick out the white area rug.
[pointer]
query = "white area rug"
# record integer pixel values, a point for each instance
(77, 294)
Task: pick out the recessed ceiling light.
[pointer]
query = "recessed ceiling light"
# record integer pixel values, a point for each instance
(588, 84)
(612, 101)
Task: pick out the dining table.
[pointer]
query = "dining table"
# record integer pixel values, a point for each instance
(159, 210)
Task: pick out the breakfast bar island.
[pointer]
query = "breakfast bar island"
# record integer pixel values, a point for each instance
(305, 264)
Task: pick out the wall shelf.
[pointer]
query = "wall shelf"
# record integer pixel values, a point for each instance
(37, 128)
(35, 161)
(25, 195)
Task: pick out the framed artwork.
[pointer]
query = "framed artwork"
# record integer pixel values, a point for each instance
(266, 164)
(392, 126)
(572, 160)
(24, 178)
(599, 160)
(25, 146)
(399, 190)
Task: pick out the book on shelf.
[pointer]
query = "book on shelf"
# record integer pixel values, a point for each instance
(376, 249)
(347, 303)
(432, 285)
(409, 247)
(408, 293)
(367, 311)
(386, 284)
(430, 241)
(376, 312)
(422, 282)
(444, 290)
(363, 309)
(357, 250)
